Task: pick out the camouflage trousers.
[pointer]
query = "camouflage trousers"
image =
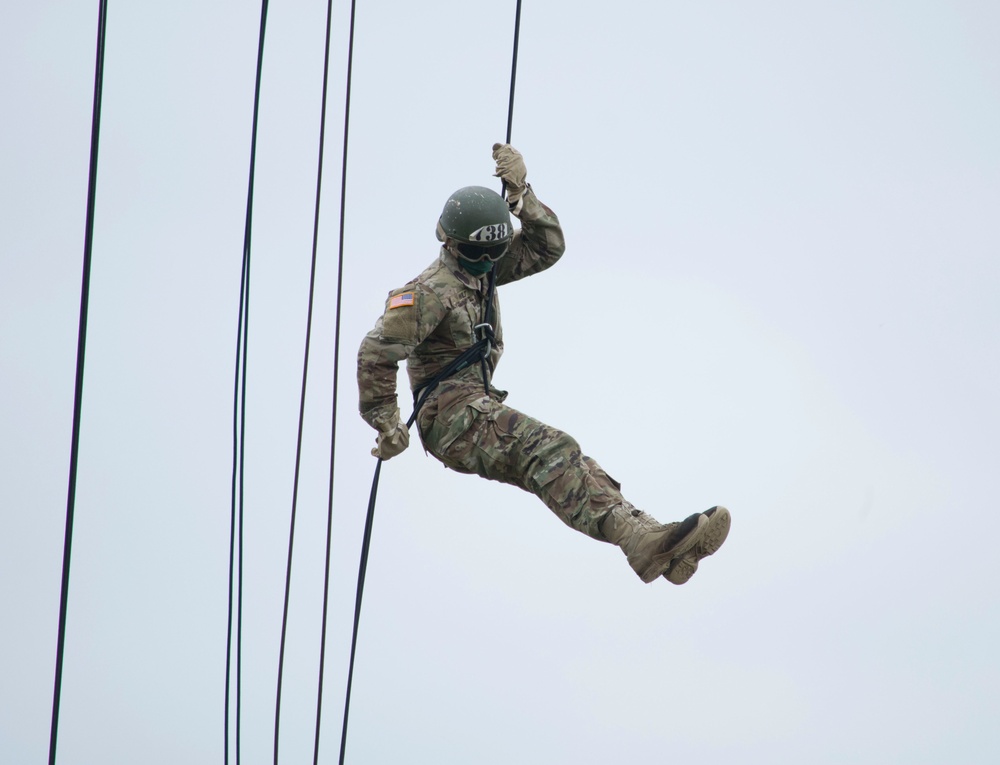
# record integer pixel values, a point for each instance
(482, 436)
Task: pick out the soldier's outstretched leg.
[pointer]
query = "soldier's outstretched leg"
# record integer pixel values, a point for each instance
(505, 445)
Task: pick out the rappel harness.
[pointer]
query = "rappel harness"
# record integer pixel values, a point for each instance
(478, 351)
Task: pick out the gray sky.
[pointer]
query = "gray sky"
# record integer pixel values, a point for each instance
(779, 294)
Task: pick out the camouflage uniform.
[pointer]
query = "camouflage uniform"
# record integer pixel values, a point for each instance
(429, 322)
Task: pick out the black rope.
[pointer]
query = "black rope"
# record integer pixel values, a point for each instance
(302, 398)
(365, 546)
(513, 69)
(485, 329)
(470, 356)
(239, 426)
(81, 347)
(336, 372)
(378, 466)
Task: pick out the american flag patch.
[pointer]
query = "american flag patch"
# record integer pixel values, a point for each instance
(399, 301)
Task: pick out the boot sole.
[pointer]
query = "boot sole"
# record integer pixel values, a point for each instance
(660, 563)
(714, 533)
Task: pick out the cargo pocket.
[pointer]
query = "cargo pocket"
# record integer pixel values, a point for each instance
(495, 446)
(446, 420)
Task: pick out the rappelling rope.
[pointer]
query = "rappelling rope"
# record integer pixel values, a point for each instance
(336, 374)
(478, 351)
(88, 246)
(302, 399)
(239, 425)
(513, 70)
(302, 410)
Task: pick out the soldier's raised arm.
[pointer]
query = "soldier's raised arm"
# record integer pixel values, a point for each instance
(539, 243)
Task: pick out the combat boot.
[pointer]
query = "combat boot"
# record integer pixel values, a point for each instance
(649, 545)
(713, 535)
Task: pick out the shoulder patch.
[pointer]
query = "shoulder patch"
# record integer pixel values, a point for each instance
(401, 301)
(402, 326)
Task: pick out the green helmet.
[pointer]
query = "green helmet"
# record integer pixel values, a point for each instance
(475, 215)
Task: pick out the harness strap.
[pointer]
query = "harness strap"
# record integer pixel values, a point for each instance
(480, 351)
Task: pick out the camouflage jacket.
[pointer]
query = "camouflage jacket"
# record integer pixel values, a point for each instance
(430, 320)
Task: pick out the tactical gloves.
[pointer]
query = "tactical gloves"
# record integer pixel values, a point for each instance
(393, 438)
(511, 170)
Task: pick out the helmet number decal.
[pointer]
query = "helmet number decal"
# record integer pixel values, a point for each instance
(495, 232)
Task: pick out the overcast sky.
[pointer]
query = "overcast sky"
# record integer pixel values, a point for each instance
(780, 294)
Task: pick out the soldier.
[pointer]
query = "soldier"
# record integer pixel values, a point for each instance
(446, 325)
